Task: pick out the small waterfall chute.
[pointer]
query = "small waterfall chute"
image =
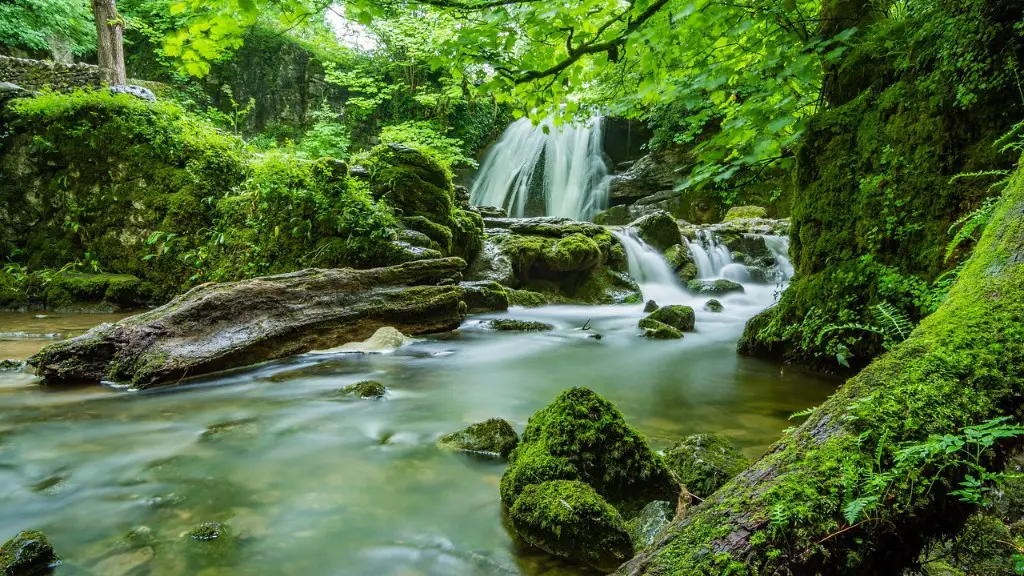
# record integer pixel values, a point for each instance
(648, 267)
(710, 256)
(563, 165)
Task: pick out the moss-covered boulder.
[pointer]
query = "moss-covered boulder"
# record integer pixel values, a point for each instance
(650, 306)
(512, 325)
(582, 436)
(713, 306)
(79, 292)
(681, 261)
(745, 213)
(366, 389)
(11, 365)
(656, 330)
(570, 520)
(718, 287)
(420, 189)
(494, 437)
(649, 522)
(704, 462)
(526, 298)
(27, 554)
(677, 316)
(572, 253)
(659, 229)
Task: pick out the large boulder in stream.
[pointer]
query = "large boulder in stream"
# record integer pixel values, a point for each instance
(27, 554)
(680, 317)
(215, 327)
(659, 230)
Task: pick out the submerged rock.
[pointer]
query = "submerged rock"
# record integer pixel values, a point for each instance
(367, 389)
(493, 437)
(705, 462)
(677, 316)
(713, 306)
(510, 325)
(650, 521)
(570, 520)
(659, 230)
(214, 327)
(11, 365)
(207, 531)
(656, 330)
(713, 287)
(745, 212)
(582, 436)
(650, 306)
(27, 554)
(124, 563)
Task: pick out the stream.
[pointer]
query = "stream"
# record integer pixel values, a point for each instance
(311, 485)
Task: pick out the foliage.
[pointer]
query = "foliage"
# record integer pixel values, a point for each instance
(327, 137)
(449, 151)
(47, 25)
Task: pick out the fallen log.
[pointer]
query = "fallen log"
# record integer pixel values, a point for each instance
(795, 511)
(215, 327)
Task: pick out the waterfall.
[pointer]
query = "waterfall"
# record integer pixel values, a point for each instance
(563, 164)
(779, 246)
(713, 259)
(650, 270)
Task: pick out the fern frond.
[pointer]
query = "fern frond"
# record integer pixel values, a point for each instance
(896, 325)
(980, 174)
(970, 223)
(855, 508)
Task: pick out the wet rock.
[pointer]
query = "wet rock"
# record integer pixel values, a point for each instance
(27, 554)
(713, 306)
(526, 298)
(649, 174)
(659, 230)
(407, 252)
(749, 249)
(492, 263)
(11, 365)
(367, 390)
(681, 261)
(656, 330)
(553, 226)
(677, 316)
(219, 326)
(650, 306)
(492, 437)
(570, 520)
(713, 287)
(461, 195)
(207, 531)
(510, 325)
(646, 526)
(573, 253)
(490, 211)
(385, 339)
(418, 239)
(615, 216)
(704, 462)
(484, 296)
(582, 436)
(139, 92)
(745, 213)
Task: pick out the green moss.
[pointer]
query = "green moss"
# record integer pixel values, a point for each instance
(12, 296)
(713, 306)
(656, 330)
(526, 298)
(581, 436)
(570, 520)
(572, 253)
(510, 325)
(27, 554)
(713, 287)
(494, 436)
(704, 462)
(659, 229)
(207, 531)
(745, 212)
(677, 316)
(366, 389)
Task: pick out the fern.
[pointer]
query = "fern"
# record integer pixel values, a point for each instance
(970, 223)
(896, 325)
(803, 413)
(855, 508)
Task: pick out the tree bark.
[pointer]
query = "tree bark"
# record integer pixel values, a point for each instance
(964, 365)
(109, 44)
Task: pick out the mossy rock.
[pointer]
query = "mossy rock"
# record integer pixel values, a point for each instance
(650, 306)
(719, 287)
(614, 216)
(704, 462)
(745, 213)
(677, 316)
(494, 437)
(570, 520)
(207, 531)
(12, 296)
(659, 230)
(79, 292)
(511, 325)
(649, 522)
(582, 436)
(27, 554)
(713, 306)
(526, 298)
(573, 253)
(656, 330)
(367, 389)
(11, 365)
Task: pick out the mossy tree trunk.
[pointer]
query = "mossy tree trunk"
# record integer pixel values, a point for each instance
(785, 514)
(109, 43)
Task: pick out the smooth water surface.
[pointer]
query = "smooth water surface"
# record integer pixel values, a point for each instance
(309, 485)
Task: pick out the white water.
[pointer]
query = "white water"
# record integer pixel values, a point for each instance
(569, 160)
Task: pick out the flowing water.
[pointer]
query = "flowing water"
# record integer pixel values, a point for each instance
(309, 485)
(545, 170)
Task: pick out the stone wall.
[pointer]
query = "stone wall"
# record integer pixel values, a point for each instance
(37, 74)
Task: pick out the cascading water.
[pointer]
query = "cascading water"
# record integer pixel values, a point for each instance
(561, 167)
(650, 270)
(712, 258)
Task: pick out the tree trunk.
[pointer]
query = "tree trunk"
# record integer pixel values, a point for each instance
(109, 45)
(784, 515)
